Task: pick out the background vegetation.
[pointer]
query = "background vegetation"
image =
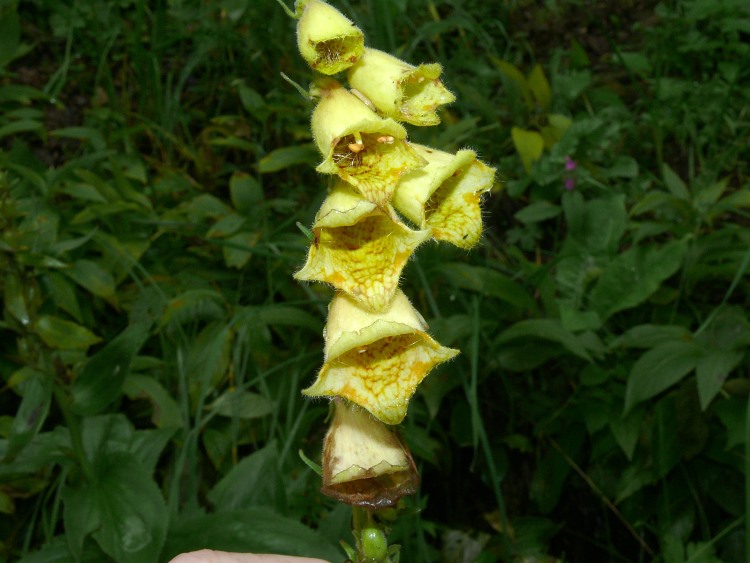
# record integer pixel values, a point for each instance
(153, 343)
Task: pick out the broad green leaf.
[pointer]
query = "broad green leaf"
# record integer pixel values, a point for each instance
(242, 404)
(62, 334)
(545, 329)
(10, 33)
(674, 183)
(237, 249)
(148, 445)
(539, 211)
(486, 282)
(512, 72)
(245, 192)
(194, 305)
(36, 392)
(286, 157)
(122, 508)
(21, 126)
(712, 370)
(57, 550)
(634, 275)
(254, 481)
(92, 277)
(648, 336)
(166, 411)
(100, 380)
(15, 301)
(226, 226)
(539, 87)
(626, 430)
(658, 369)
(529, 145)
(253, 530)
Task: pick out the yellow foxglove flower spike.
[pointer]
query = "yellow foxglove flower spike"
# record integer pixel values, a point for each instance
(327, 39)
(364, 462)
(376, 360)
(445, 195)
(362, 148)
(359, 248)
(399, 90)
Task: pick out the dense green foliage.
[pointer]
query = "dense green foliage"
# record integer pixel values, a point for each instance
(153, 164)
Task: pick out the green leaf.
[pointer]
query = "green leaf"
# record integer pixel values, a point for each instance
(242, 404)
(540, 87)
(626, 430)
(674, 183)
(648, 336)
(36, 390)
(100, 380)
(10, 34)
(122, 507)
(658, 369)
(529, 145)
(15, 301)
(286, 157)
(21, 126)
(539, 211)
(166, 411)
(245, 192)
(92, 277)
(237, 249)
(545, 329)
(62, 334)
(486, 282)
(226, 226)
(254, 530)
(254, 481)
(634, 275)
(712, 370)
(512, 73)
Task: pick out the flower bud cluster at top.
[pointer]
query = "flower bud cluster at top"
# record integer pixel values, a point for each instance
(377, 349)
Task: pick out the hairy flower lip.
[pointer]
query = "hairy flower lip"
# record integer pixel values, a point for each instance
(367, 151)
(364, 462)
(376, 360)
(327, 40)
(359, 248)
(400, 90)
(445, 195)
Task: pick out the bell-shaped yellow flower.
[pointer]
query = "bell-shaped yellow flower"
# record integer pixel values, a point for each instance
(376, 360)
(327, 39)
(445, 195)
(364, 462)
(359, 248)
(362, 148)
(400, 90)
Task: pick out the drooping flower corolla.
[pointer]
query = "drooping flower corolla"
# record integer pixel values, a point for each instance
(445, 195)
(359, 247)
(365, 463)
(327, 40)
(367, 151)
(400, 90)
(376, 360)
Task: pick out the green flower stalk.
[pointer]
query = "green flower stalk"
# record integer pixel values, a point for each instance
(399, 90)
(359, 248)
(327, 40)
(376, 360)
(367, 151)
(445, 195)
(365, 463)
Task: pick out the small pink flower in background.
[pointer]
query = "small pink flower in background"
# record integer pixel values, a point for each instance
(570, 165)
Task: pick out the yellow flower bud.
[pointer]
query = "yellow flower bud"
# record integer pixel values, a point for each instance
(445, 195)
(400, 90)
(362, 148)
(327, 39)
(376, 360)
(359, 248)
(364, 462)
